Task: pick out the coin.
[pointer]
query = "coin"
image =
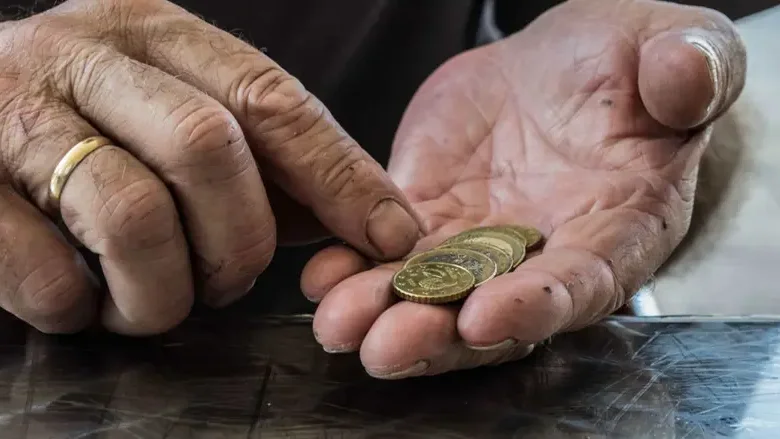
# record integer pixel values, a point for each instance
(520, 258)
(433, 282)
(500, 244)
(481, 266)
(496, 237)
(502, 259)
(532, 236)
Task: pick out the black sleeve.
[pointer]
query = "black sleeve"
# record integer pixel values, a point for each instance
(17, 9)
(512, 15)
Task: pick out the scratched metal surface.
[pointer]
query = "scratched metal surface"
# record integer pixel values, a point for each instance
(629, 377)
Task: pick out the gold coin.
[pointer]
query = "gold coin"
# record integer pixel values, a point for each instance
(433, 282)
(500, 244)
(496, 237)
(481, 266)
(532, 236)
(502, 259)
(520, 258)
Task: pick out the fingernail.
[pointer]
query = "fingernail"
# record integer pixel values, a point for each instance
(313, 299)
(345, 348)
(506, 344)
(391, 230)
(220, 300)
(391, 373)
(702, 41)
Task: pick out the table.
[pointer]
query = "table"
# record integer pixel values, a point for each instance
(627, 377)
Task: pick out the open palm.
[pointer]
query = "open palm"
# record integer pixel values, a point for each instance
(581, 126)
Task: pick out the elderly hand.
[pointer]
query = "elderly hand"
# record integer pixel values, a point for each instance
(176, 196)
(589, 125)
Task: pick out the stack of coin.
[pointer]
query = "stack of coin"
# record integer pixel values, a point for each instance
(451, 271)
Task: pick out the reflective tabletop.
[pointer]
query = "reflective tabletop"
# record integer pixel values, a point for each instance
(627, 377)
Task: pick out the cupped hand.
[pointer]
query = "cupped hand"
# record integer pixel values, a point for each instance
(178, 199)
(588, 125)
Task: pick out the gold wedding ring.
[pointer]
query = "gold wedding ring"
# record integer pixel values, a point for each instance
(68, 163)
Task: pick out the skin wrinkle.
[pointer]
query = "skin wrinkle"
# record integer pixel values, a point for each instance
(179, 174)
(618, 290)
(13, 157)
(142, 77)
(244, 255)
(287, 119)
(124, 221)
(249, 91)
(55, 296)
(338, 177)
(193, 147)
(26, 163)
(88, 78)
(281, 87)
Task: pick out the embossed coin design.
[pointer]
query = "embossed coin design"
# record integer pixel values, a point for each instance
(433, 282)
(502, 259)
(494, 236)
(481, 266)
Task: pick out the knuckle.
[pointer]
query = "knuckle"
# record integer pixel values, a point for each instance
(280, 107)
(207, 138)
(51, 291)
(244, 262)
(139, 216)
(343, 171)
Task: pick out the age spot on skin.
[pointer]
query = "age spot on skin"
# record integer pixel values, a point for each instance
(607, 102)
(548, 290)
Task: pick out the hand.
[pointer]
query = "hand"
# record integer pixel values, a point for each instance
(192, 112)
(589, 125)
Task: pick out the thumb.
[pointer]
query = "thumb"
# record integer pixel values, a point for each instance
(690, 76)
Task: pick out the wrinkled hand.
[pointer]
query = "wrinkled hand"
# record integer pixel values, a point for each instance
(193, 111)
(589, 125)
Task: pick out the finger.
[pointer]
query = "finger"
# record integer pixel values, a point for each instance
(589, 268)
(346, 313)
(296, 140)
(328, 268)
(118, 208)
(411, 339)
(397, 339)
(198, 149)
(45, 281)
(692, 73)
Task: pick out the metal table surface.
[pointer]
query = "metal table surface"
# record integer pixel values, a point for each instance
(267, 378)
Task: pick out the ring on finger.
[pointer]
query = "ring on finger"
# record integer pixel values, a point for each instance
(68, 163)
